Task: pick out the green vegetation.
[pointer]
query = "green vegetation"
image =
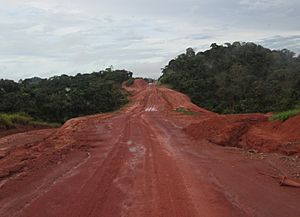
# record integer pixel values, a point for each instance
(237, 78)
(160, 84)
(60, 98)
(282, 116)
(184, 111)
(8, 121)
(5, 121)
(130, 82)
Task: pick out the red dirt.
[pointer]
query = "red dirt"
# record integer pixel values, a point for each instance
(21, 129)
(143, 161)
(251, 131)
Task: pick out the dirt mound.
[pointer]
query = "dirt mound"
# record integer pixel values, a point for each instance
(252, 131)
(277, 136)
(177, 100)
(224, 130)
(19, 150)
(137, 86)
(21, 129)
(290, 128)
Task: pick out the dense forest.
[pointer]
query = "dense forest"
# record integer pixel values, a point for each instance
(62, 97)
(237, 78)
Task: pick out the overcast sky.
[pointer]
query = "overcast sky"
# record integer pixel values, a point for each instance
(52, 37)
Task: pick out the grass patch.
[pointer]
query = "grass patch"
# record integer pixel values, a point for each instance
(20, 118)
(5, 122)
(9, 121)
(184, 111)
(283, 116)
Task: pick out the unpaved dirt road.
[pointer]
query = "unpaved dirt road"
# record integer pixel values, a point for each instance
(139, 163)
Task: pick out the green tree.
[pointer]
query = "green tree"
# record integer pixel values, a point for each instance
(237, 77)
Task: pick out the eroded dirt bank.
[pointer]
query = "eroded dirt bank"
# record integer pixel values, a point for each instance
(251, 131)
(146, 160)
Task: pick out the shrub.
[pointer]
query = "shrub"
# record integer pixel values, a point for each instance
(184, 111)
(8, 121)
(5, 122)
(282, 116)
(20, 118)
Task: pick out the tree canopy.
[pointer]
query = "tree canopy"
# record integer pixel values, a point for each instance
(59, 98)
(237, 78)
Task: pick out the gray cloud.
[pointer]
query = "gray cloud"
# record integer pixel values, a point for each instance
(43, 38)
(278, 42)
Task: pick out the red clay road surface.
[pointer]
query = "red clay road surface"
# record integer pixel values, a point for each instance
(138, 163)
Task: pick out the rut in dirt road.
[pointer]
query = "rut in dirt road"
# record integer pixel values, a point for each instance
(139, 162)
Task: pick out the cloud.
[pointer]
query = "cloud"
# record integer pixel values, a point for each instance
(43, 38)
(280, 42)
(264, 4)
